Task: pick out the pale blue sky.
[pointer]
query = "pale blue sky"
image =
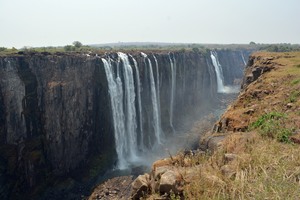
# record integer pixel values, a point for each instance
(60, 22)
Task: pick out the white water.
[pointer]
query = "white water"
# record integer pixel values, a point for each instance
(158, 94)
(141, 142)
(116, 97)
(219, 73)
(156, 122)
(220, 78)
(243, 58)
(130, 140)
(173, 89)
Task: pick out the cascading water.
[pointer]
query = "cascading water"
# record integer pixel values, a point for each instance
(158, 92)
(220, 78)
(130, 140)
(173, 89)
(125, 89)
(243, 58)
(219, 73)
(156, 123)
(116, 99)
(141, 142)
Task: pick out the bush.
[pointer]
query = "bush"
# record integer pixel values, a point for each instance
(77, 44)
(69, 48)
(272, 125)
(293, 97)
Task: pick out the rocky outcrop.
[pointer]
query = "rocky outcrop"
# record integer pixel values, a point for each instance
(256, 67)
(239, 120)
(167, 177)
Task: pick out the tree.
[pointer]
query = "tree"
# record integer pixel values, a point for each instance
(252, 43)
(77, 44)
(68, 48)
(196, 49)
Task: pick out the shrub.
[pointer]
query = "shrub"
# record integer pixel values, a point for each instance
(293, 97)
(69, 48)
(77, 44)
(272, 125)
(296, 81)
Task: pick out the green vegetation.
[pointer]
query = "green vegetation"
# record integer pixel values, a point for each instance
(295, 82)
(5, 51)
(279, 47)
(273, 125)
(77, 44)
(293, 96)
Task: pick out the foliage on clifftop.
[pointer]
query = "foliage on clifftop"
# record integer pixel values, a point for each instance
(78, 47)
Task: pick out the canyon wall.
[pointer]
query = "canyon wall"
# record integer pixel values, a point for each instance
(57, 114)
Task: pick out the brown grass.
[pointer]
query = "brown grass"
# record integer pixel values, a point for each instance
(263, 169)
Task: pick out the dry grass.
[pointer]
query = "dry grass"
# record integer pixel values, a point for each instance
(263, 169)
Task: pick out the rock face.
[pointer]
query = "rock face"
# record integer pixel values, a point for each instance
(56, 118)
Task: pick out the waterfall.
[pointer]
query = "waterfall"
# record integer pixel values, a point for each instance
(243, 58)
(130, 140)
(141, 142)
(116, 98)
(156, 122)
(219, 72)
(158, 93)
(173, 89)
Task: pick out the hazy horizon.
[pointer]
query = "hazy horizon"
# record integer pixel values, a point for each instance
(58, 23)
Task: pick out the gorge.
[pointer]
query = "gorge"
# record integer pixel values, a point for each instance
(66, 114)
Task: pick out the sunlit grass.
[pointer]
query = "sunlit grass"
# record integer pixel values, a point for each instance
(264, 169)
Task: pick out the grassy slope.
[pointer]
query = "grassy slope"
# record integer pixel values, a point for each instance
(251, 162)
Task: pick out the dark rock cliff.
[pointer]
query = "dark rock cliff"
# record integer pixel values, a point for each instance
(55, 115)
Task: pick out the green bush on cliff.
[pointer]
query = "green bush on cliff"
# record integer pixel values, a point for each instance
(2, 48)
(272, 125)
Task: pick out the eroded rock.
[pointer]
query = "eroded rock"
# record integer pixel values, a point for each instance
(140, 186)
(171, 181)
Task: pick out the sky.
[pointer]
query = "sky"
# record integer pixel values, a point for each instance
(40, 23)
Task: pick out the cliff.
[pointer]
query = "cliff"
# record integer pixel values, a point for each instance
(252, 152)
(57, 110)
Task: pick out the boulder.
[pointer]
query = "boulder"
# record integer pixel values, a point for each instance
(171, 181)
(140, 186)
(230, 157)
(228, 171)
